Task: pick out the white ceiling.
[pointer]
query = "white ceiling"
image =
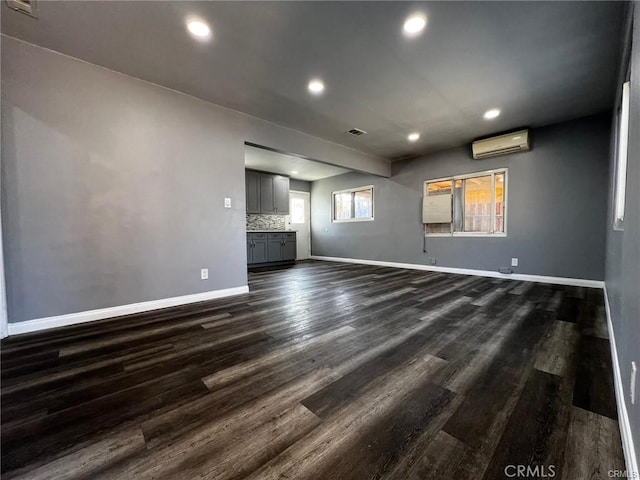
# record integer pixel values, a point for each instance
(539, 62)
(274, 162)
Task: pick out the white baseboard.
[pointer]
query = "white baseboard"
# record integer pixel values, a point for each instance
(576, 282)
(102, 313)
(623, 415)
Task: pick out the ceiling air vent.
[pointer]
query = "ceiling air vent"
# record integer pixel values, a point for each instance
(24, 6)
(356, 132)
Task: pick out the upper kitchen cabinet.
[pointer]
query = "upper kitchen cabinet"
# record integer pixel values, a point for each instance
(267, 205)
(281, 194)
(252, 186)
(271, 192)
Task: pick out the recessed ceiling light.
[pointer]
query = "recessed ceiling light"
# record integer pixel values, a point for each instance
(414, 25)
(316, 87)
(294, 172)
(491, 114)
(413, 136)
(198, 28)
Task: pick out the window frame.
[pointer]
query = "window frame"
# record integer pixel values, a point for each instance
(352, 219)
(484, 173)
(621, 157)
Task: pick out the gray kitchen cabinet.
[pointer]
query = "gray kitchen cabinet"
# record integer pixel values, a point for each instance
(257, 248)
(281, 194)
(275, 247)
(267, 205)
(272, 192)
(289, 249)
(260, 253)
(266, 248)
(252, 188)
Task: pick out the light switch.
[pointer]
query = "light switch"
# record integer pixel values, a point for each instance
(227, 202)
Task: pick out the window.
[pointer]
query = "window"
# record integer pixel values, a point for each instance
(466, 205)
(353, 205)
(621, 159)
(296, 207)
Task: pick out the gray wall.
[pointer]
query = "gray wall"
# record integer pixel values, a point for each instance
(299, 185)
(623, 247)
(557, 201)
(113, 187)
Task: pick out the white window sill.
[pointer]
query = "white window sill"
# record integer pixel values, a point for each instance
(618, 225)
(478, 234)
(351, 220)
(467, 234)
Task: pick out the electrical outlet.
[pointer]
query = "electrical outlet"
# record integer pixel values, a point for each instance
(433, 260)
(514, 262)
(204, 274)
(632, 386)
(227, 202)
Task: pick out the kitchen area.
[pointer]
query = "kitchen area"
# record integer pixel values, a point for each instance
(278, 204)
(269, 241)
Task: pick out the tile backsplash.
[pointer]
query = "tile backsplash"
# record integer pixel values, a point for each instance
(257, 221)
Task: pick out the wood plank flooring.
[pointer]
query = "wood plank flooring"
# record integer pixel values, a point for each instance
(323, 371)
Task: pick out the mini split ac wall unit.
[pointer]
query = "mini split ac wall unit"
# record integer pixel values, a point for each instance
(28, 7)
(501, 145)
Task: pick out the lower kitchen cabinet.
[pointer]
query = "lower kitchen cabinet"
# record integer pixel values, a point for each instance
(289, 249)
(271, 248)
(257, 248)
(275, 247)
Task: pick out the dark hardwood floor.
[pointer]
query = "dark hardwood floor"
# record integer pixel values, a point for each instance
(323, 371)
